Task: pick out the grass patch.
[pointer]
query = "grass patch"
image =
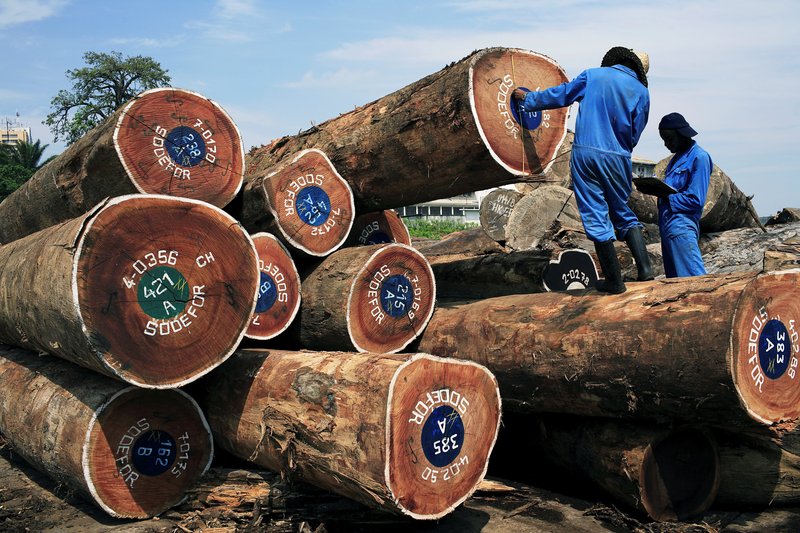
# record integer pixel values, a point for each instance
(433, 229)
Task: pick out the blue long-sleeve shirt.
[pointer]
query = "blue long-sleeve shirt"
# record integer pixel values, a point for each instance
(688, 173)
(614, 107)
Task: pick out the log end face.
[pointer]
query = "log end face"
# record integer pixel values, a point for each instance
(443, 421)
(679, 476)
(165, 288)
(176, 142)
(391, 299)
(523, 143)
(144, 450)
(765, 347)
(379, 227)
(278, 292)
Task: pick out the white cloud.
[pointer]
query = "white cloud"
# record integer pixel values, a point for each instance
(14, 12)
(148, 42)
(342, 77)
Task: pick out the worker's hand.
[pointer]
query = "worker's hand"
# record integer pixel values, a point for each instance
(519, 94)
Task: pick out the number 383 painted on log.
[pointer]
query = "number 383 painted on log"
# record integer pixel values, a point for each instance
(772, 348)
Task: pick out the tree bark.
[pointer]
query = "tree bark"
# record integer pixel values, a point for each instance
(365, 426)
(743, 249)
(305, 202)
(370, 298)
(639, 354)
(447, 134)
(535, 213)
(378, 228)
(278, 291)
(165, 141)
(133, 452)
(153, 290)
(496, 208)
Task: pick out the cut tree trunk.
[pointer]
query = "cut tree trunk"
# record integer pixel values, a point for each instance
(495, 209)
(743, 249)
(378, 228)
(406, 433)
(459, 245)
(450, 133)
(305, 202)
(535, 214)
(668, 474)
(153, 290)
(369, 298)
(559, 171)
(165, 141)
(278, 290)
(759, 467)
(133, 452)
(705, 348)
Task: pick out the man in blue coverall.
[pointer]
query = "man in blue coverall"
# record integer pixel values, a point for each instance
(614, 107)
(689, 173)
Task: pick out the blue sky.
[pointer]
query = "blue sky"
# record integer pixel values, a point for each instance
(731, 67)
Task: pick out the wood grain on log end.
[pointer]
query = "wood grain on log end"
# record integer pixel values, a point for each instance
(310, 202)
(494, 74)
(165, 287)
(496, 207)
(534, 214)
(679, 476)
(143, 451)
(279, 289)
(443, 418)
(379, 227)
(391, 299)
(177, 142)
(765, 347)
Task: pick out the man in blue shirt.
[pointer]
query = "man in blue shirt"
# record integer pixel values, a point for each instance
(614, 107)
(689, 173)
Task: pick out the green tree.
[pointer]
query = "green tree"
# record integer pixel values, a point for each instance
(99, 89)
(12, 176)
(24, 154)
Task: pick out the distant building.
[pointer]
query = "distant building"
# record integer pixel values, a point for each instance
(643, 168)
(14, 132)
(463, 208)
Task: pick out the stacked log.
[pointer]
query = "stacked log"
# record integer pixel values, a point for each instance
(153, 290)
(496, 208)
(450, 133)
(406, 433)
(165, 141)
(370, 299)
(536, 212)
(133, 452)
(378, 228)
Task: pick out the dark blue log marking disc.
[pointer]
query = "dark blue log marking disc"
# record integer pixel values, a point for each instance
(396, 295)
(526, 119)
(267, 293)
(442, 436)
(774, 349)
(377, 237)
(153, 453)
(185, 146)
(163, 292)
(313, 205)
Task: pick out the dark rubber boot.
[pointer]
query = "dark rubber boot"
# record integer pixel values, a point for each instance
(611, 270)
(635, 241)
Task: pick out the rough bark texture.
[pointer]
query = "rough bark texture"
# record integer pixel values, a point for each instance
(378, 228)
(639, 354)
(305, 202)
(150, 289)
(278, 290)
(535, 213)
(743, 249)
(133, 151)
(447, 134)
(784, 216)
(369, 298)
(496, 207)
(133, 452)
(359, 424)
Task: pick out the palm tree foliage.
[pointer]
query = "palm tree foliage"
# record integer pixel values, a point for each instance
(24, 154)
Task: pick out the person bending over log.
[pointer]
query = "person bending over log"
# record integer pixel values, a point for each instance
(688, 173)
(615, 105)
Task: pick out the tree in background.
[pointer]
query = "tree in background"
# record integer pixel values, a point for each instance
(24, 154)
(12, 176)
(99, 89)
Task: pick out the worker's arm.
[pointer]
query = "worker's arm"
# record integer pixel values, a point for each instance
(554, 97)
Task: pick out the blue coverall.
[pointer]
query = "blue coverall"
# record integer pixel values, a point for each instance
(679, 214)
(614, 107)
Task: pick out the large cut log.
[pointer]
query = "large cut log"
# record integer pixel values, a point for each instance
(450, 133)
(666, 473)
(407, 433)
(726, 207)
(759, 467)
(559, 171)
(154, 290)
(133, 452)
(744, 248)
(165, 141)
(305, 202)
(369, 298)
(705, 348)
(535, 214)
(278, 289)
(495, 209)
(378, 228)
